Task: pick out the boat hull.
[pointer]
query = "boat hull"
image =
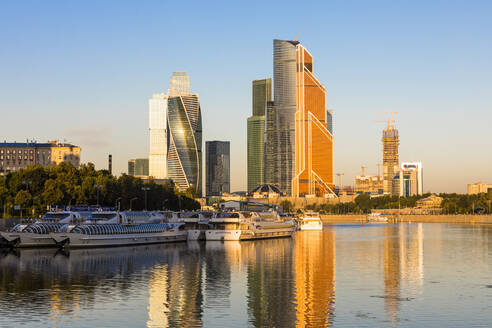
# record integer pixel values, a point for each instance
(267, 234)
(196, 234)
(223, 235)
(28, 239)
(77, 240)
(317, 227)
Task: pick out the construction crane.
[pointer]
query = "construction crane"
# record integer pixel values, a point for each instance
(390, 121)
(340, 175)
(379, 169)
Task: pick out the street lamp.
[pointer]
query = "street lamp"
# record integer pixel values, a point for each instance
(145, 189)
(131, 201)
(97, 188)
(117, 202)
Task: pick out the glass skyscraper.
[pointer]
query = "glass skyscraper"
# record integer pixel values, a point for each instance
(158, 136)
(261, 95)
(298, 140)
(217, 154)
(184, 123)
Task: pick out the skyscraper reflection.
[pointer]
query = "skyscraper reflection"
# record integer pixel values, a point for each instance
(315, 265)
(270, 282)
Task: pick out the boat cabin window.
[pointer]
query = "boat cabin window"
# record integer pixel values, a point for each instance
(102, 216)
(54, 216)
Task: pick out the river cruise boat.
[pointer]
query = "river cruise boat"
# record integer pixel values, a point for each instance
(38, 234)
(247, 226)
(376, 217)
(310, 221)
(119, 229)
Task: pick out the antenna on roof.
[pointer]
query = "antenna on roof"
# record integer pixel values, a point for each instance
(297, 34)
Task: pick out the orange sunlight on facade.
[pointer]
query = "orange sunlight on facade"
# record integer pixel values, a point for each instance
(314, 142)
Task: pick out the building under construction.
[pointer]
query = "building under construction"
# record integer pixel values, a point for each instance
(390, 156)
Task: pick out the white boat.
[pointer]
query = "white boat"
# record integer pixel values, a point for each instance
(246, 226)
(376, 217)
(38, 234)
(119, 229)
(310, 221)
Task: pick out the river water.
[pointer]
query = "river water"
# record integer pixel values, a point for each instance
(377, 275)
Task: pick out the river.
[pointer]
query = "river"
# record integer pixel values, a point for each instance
(377, 275)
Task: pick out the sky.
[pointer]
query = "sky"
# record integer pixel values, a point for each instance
(83, 71)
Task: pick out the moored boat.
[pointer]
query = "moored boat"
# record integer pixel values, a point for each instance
(247, 226)
(119, 229)
(310, 221)
(376, 217)
(115, 234)
(38, 234)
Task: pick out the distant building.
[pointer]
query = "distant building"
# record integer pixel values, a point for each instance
(432, 201)
(266, 191)
(369, 184)
(184, 121)
(18, 155)
(390, 158)
(478, 188)
(158, 136)
(138, 167)
(408, 181)
(218, 168)
(261, 95)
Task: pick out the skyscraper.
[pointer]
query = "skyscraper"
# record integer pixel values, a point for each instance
(390, 156)
(184, 123)
(299, 144)
(158, 136)
(217, 157)
(179, 84)
(261, 95)
(314, 141)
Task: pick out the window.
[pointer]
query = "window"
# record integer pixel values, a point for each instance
(13, 152)
(8, 157)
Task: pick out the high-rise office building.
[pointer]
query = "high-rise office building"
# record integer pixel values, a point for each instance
(390, 157)
(184, 122)
(314, 141)
(158, 136)
(261, 95)
(218, 168)
(298, 141)
(179, 84)
(408, 181)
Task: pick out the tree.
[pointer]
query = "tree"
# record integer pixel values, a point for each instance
(363, 201)
(287, 206)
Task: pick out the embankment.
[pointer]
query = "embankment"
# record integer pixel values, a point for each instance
(472, 219)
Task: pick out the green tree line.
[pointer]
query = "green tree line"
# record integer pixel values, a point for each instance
(363, 203)
(35, 188)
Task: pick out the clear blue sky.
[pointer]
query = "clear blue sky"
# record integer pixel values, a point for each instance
(84, 71)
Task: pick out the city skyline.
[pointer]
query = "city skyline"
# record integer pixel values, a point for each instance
(435, 73)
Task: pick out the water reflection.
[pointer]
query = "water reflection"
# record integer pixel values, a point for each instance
(315, 264)
(388, 275)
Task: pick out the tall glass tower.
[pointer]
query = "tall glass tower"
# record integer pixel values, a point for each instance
(298, 138)
(218, 161)
(158, 136)
(184, 123)
(262, 94)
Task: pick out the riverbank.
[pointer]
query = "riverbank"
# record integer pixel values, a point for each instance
(471, 219)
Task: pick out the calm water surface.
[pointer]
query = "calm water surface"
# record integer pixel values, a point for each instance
(379, 275)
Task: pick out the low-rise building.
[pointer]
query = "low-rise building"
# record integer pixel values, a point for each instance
(19, 155)
(369, 184)
(478, 188)
(432, 201)
(138, 167)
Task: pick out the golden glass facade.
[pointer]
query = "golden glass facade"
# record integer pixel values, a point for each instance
(314, 141)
